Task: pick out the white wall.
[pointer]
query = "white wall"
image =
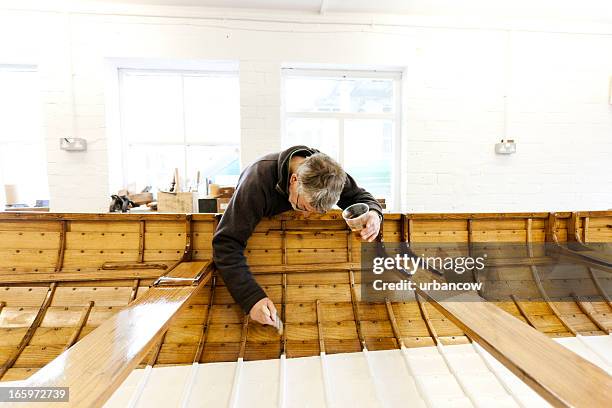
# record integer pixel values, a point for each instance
(457, 82)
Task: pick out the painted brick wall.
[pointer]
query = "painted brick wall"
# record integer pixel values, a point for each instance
(463, 90)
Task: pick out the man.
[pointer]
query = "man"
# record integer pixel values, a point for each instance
(301, 178)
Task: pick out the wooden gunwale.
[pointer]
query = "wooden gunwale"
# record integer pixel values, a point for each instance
(479, 216)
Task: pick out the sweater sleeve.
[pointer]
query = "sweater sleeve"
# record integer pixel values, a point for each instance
(353, 194)
(243, 213)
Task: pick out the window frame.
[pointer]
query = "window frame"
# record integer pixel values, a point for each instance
(182, 73)
(395, 116)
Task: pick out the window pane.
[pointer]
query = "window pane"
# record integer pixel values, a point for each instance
(154, 166)
(152, 108)
(353, 95)
(368, 155)
(25, 165)
(20, 106)
(221, 164)
(212, 109)
(321, 134)
(23, 158)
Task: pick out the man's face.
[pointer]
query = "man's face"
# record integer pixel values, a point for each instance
(298, 201)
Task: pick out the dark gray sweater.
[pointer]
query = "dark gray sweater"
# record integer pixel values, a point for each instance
(262, 191)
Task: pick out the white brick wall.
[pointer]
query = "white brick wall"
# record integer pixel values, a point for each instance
(454, 87)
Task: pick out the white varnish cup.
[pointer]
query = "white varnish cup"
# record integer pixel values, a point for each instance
(356, 216)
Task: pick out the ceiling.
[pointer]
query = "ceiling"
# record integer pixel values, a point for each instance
(596, 10)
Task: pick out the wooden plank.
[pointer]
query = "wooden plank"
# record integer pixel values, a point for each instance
(182, 272)
(31, 330)
(84, 275)
(29, 240)
(133, 265)
(95, 366)
(464, 216)
(547, 367)
(336, 266)
(17, 216)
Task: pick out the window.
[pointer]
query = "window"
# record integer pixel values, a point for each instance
(179, 119)
(352, 116)
(23, 158)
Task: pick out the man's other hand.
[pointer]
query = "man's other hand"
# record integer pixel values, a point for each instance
(370, 232)
(263, 311)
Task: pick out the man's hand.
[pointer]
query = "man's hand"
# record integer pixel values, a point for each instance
(370, 232)
(263, 312)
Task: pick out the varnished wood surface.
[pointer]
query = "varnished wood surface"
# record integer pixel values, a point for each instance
(296, 260)
(95, 366)
(462, 216)
(187, 270)
(559, 375)
(31, 330)
(81, 276)
(100, 216)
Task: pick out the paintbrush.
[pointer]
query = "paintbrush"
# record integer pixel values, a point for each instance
(278, 324)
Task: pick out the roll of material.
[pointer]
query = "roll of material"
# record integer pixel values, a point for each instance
(11, 194)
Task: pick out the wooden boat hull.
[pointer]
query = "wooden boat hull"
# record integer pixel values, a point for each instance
(63, 275)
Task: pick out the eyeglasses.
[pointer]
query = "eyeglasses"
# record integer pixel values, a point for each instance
(298, 208)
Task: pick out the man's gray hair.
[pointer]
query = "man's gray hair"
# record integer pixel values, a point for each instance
(321, 179)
